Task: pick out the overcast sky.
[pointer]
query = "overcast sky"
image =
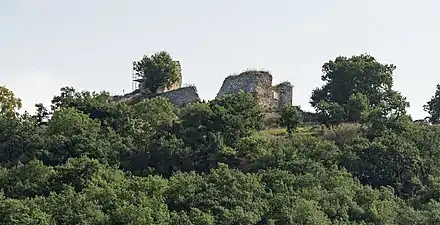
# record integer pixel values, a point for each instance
(90, 44)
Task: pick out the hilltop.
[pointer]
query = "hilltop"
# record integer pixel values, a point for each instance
(92, 158)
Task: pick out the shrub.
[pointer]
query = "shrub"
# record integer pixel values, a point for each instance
(343, 134)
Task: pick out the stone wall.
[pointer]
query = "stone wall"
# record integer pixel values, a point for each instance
(172, 87)
(259, 83)
(285, 94)
(251, 81)
(130, 98)
(182, 96)
(179, 97)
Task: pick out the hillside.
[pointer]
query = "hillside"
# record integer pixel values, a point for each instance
(92, 160)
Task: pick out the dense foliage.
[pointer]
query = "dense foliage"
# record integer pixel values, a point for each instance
(354, 87)
(157, 71)
(90, 160)
(433, 106)
(291, 118)
(9, 104)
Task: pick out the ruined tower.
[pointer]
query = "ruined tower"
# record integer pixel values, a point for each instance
(259, 83)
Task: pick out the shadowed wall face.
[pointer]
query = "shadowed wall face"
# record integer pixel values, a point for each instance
(179, 97)
(182, 96)
(285, 94)
(259, 83)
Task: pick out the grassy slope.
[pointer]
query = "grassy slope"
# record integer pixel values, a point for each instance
(304, 130)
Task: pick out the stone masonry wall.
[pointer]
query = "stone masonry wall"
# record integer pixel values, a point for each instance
(259, 83)
(182, 96)
(174, 86)
(251, 81)
(178, 97)
(130, 98)
(285, 94)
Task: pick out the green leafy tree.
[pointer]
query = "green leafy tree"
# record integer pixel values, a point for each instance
(71, 133)
(330, 113)
(217, 192)
(433, 106)
(193, 143)
(355, 84)
(157, 71)
(9, 104)
(236, 115)
(291, 117)
(112, 114)
(194, 217)
(27, 180)
(41, 115)
(92, 160)
(25, 212)
(70, 207)
(150, 115)
(20, 140)
(390, 160)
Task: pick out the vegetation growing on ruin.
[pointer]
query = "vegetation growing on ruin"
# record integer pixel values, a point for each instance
(157, 71)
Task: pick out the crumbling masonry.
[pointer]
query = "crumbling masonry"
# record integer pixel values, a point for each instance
(259, 83)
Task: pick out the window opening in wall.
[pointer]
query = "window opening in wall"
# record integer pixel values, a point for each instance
(275, 95)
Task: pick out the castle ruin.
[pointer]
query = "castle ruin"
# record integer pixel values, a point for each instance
(174, 92)
(176, 85)
(259, 83)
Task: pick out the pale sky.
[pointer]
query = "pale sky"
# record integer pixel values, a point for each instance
(90, 44)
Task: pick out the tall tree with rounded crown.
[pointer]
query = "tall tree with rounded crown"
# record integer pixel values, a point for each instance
(357, 85)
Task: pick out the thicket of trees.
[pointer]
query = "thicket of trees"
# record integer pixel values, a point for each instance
(90, 160)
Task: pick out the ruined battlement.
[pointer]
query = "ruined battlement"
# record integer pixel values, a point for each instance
(179, 97)
(271, 97)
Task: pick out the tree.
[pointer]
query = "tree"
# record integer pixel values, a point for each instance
(27, 180)
(19, 140)
(112, 114)
(13, 211)
(291, 118)
(433, 106)
(42, 114)
(9, 104)
(92, 160)
(157, 71)
(71, 133)
(237, 115)
(150, 114)
(354, 85)
(330, 113)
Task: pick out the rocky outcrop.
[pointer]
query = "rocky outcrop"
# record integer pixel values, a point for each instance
(259, 83)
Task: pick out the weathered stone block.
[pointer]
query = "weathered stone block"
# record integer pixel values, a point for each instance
(179, 97)
(259, 83)
(285, 94)
(182, 96)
